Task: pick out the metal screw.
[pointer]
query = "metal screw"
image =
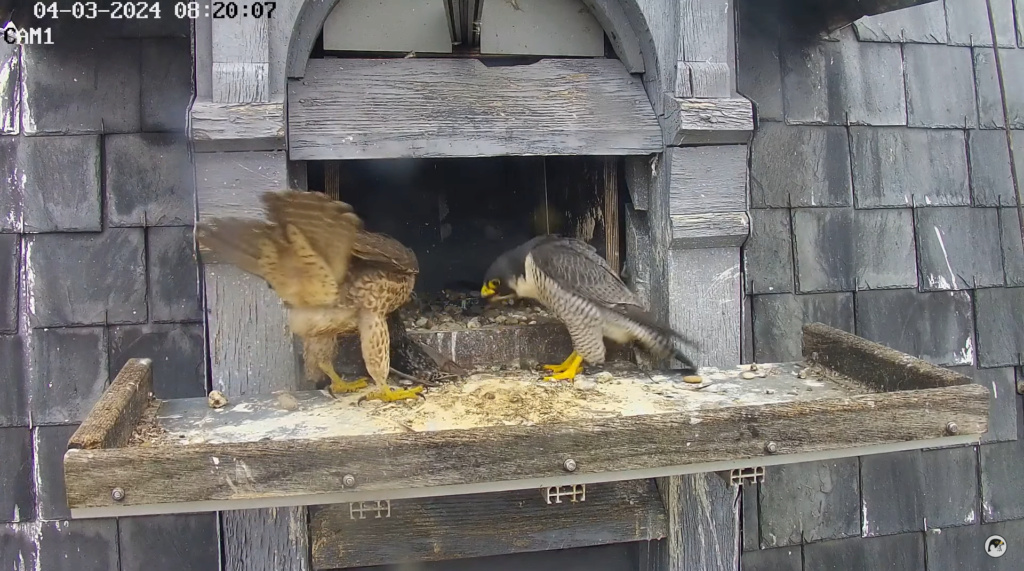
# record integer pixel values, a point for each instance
(569, 465)
(117, 494)
(771, 447)
(952, 428)
(348, 480)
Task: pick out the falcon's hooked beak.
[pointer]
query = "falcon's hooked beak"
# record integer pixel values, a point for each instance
(489, 292)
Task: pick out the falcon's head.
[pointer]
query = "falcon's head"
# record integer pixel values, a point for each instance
(507, 275)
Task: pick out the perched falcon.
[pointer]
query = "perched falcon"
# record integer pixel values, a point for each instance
(576, 284)
(333, 276)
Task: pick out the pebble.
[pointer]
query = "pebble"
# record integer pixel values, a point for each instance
(216, 399)
(474, 323)
(287, 401)
(585, 385)
(421, 322)
(693, 379)
(748, 375)
(604, 376)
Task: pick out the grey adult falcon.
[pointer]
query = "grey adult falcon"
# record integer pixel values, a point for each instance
(573, 281)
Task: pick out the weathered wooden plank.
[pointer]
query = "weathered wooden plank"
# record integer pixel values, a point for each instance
(480, 525)
(704, 49)
(388, 26)
(708, 179)
(202, 55)
(703, 515)
(612, 238)
(241, 60)
(113, 418)
(540, 27)
(703, 79)
(705, 289)
(229, 184)
(352, 108)
(299, 468)
(237, 126)
(714, 230)
(273, 539)
(639, 254)
(693, 121)
(638, 179)
(877, 365)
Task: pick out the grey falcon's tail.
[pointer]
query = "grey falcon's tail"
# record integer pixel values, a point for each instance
(659, 340)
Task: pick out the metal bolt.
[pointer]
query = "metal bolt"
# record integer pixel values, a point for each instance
(1020, 387)
(771, 447)
(348, 480)
(952, 428)
(569, 465)
(117, 494)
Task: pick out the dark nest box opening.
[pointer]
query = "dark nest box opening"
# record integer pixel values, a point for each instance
(459, 214)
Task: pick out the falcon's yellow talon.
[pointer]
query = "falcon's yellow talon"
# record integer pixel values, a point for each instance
(391, 394)
(338, 384)
(570, 372)
(565, 364)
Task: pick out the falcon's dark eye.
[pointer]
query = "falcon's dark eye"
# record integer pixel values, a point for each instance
(493, 284)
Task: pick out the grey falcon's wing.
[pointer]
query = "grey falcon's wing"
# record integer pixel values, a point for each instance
(577, 268)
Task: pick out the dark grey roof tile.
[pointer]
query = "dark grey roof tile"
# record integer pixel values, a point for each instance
(906, 167)
(67, 373)
(825, 249)
(173, 275)
(810, 501)
(177, 351)
(51, 442)
(149, 180)
(18, 549)
(10, 260)
(109, 272)
(969, 26)
(1003, 407)
(991, 182)
(1000, 326)
(949, 484)
(758, 66)
(13, 396)
(1002, 488)
(779, 559)
(91, 88)
(750, 527)
(990, 103)
(768, 252)
(61, 183)
(1013, 246)
(166, 83)
(964, 548)
(924, 23)
(903, 552)
(800, 166)
(959, 248)
(886, 256)
(144, 542)
(17, 499)
(12, 188)
(937, 327)
(940, 86)
(80, 545)
(10, 94)
(778, 320)
(846, 81)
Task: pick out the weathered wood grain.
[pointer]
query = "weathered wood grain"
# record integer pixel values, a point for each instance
(714, 230)
(273, 539)
(298, 467)
(237, 126)
(353, 108)
(877, 365)
(722, 121)
(703, 518)
(113, 418)
(241, 60)
(612, 237)
(703, 79)
(705, 290)
(230, 184)
(479, 525)
(704, 48)
(708, 179)
(638, 179)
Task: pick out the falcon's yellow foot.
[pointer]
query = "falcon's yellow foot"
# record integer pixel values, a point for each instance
(338, 384)
(570, 372)
(389, 394)
(565, 364)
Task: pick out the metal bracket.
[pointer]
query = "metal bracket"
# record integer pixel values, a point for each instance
(381, 509)
(741, 476)
(576, 493)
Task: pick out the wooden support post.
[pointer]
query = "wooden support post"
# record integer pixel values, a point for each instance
(612, 240)
(241, 60)
(703, 524)
(702, 69)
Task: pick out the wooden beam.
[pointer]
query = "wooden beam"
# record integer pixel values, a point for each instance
(705, 289)
(241, 60)
(296, 468)
(481, 525)
(703, 530)
(707, 179)
(695, 121)
(612, 237)
(703, 67)
(361, 109)
(238, 126)
(716, 230)
(113, 418)
(877, 365)
(230, 184)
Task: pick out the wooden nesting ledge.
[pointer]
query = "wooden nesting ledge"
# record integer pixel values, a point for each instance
(420, 108)
(511, 431)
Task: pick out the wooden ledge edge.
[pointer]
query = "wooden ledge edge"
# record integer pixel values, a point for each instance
(877, 365)
(711, 230)
(707, 121)
(237, 126)
(113, 418)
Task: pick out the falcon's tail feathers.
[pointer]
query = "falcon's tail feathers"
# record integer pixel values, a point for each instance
(661, 340)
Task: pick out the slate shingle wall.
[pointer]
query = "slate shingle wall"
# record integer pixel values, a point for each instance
(97, 265)
(881, 203)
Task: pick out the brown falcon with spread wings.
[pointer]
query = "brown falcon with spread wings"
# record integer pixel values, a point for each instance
(333, 276)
